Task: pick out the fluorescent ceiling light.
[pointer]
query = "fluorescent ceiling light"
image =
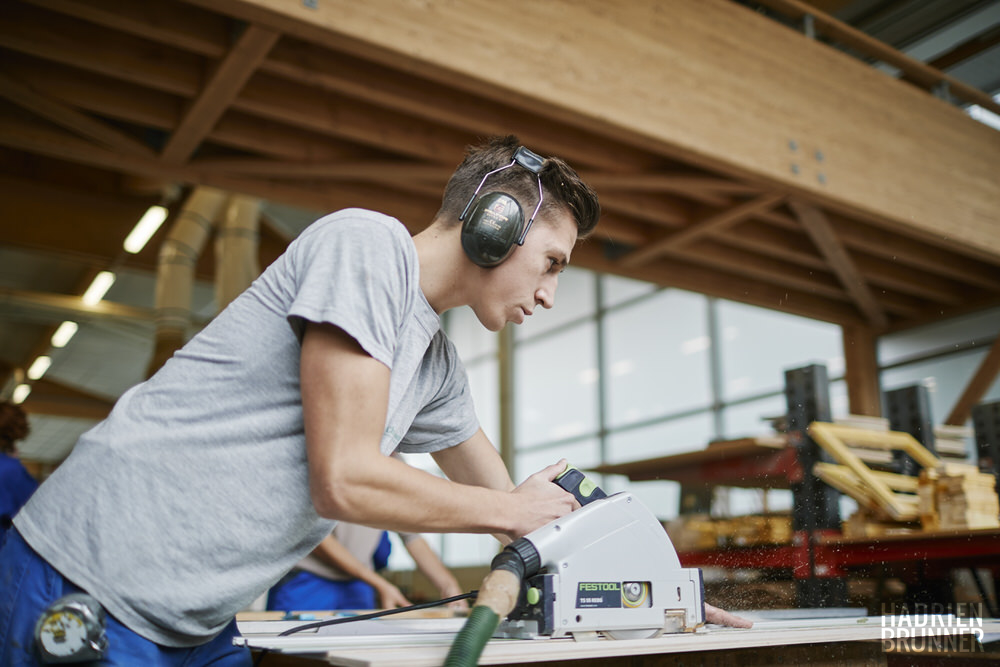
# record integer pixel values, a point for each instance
(102, 283)
(64, 333)
(21, 392)
(38, 368)
(145, 228)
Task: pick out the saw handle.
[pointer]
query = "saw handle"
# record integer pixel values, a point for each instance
(582, 488)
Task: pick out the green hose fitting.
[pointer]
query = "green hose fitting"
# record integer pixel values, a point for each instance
(472, 638)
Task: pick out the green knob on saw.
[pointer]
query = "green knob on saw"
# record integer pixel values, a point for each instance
(534, 595)
(575, 482)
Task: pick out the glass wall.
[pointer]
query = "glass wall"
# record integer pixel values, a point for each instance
(621, 370)
(943, 356)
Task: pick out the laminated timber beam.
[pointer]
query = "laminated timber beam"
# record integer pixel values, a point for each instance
(709, 82)
(980, 383)
(822, 234)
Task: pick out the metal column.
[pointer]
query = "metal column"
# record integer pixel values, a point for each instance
(986, 420)
(909, 410)
(816, 505)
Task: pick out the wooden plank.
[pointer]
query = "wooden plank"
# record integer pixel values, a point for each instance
(894, 481)
(731, 91)
(823, 635)
(879, 490)
(980, 383)
(222, 88)
(819, 230)
(881, 439)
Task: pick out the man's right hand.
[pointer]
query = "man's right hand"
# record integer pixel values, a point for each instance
(540, 501)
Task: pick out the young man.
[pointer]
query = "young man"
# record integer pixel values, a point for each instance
(213, 478)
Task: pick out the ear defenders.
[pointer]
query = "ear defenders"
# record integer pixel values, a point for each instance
(492, 224)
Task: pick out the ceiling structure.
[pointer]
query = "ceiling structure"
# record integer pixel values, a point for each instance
(814, 158)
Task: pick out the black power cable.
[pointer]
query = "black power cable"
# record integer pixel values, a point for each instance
(366, 617)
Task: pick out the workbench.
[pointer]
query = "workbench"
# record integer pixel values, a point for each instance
(834, 642)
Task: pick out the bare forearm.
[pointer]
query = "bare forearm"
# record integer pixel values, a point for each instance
(344, 400)
(385, 493)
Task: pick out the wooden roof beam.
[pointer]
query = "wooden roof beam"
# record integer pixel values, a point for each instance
(790, 245)
(162, 69)
(204, 32)
(692, 277)
(895, 248)
(731, 108)
(677, 182)
(20, 135)
(706, 226)
(822, 234)
(174, 23)
(343, 170)
(222, 87)
(126, 101)
(980, 383)
(26, 96)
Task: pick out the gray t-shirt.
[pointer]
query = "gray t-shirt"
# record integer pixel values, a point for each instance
(192, 497)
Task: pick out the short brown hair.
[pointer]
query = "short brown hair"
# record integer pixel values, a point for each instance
(13, 425)
(561, 185)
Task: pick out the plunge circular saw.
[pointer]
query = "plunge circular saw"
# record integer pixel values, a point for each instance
(608, 567)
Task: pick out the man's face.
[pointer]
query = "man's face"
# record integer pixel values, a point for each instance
(529, 277)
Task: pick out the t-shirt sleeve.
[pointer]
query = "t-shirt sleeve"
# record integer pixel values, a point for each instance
(351, 270)
(449, 418)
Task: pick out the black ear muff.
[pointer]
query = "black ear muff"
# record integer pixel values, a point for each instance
(491, 228)
(494, 223)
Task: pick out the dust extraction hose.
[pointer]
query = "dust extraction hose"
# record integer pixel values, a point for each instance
(497, 598)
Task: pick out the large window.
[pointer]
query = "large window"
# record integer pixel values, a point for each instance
(621, 370)
(943, 356)
(656, 353)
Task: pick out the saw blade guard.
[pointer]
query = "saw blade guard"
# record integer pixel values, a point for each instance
(615, 570)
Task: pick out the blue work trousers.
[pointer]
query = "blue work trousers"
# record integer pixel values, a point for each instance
(28, 584)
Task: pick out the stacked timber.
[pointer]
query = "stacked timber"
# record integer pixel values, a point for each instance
(946, 495)
(867, 522)
(956, 496)
(760, 529)
(951, 442)
(696, 532)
